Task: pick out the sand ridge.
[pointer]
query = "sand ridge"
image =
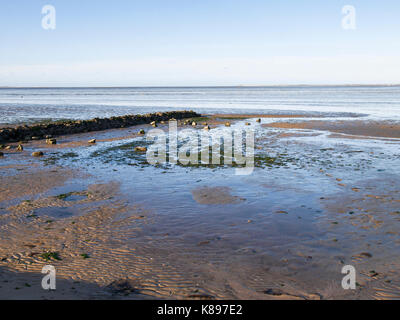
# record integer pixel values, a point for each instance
(384, 129)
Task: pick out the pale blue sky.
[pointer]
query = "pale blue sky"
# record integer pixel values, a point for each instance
(202, 42)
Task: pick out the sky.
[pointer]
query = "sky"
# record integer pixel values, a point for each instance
(199, 43)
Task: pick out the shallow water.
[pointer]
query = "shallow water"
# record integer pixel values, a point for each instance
(282, 214)
(296, 221)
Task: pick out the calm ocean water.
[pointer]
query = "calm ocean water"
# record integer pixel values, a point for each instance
(20, 105)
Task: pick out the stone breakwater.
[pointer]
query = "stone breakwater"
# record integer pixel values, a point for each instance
(41, 131)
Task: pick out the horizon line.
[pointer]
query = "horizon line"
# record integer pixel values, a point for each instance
(207, 86)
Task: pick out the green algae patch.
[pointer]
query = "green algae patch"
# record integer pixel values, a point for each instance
(123, 154)
(57, 157)
(50, 255)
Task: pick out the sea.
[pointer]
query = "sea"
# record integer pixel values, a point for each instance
(27, 105)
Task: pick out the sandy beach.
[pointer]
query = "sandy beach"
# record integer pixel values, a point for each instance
(116, 227)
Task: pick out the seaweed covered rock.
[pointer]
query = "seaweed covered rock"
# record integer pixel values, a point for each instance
(51, 141)
(140, 149)
(47, 130)
(37, 154)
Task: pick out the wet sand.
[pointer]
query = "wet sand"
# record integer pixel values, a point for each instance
(384, 129)
(117, 228)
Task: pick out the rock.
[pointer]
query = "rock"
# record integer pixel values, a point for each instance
(141, 131)
(53, 129)
(194, 123)
(258, 120)
(124, 286)
(7, 147)
(202, 243)
(366, 254)
(274, 292)
(1, 154)
(373, 273)
(2, 146)
(20, 148)
(37, 154)
(140, 149)
(92, 141)
(247, 123)
(227, 124)
(201, 296)
(206, 128)
(51, 141)
(154, 124)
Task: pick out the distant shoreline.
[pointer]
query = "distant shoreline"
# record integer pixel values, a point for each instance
(233, 86)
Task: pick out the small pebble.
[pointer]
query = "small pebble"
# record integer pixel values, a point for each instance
(51, 141)
(37, 154)
(140, 149)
